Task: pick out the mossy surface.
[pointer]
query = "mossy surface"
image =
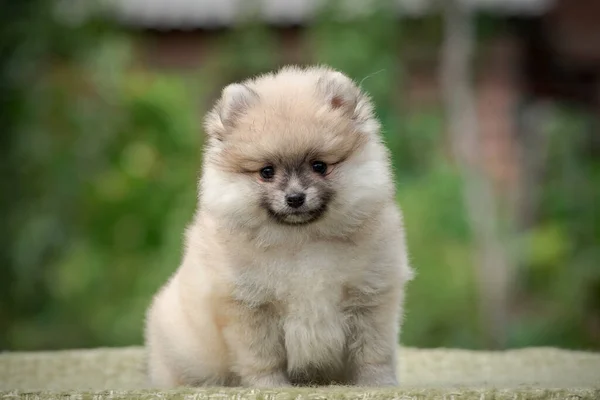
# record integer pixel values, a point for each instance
(448, 374)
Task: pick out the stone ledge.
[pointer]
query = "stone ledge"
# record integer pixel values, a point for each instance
(98, 374)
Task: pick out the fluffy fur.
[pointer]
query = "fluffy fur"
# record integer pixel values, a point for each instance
(270, 295)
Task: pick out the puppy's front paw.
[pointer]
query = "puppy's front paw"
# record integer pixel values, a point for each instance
(276, 379)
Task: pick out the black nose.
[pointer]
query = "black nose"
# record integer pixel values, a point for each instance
(295, 200)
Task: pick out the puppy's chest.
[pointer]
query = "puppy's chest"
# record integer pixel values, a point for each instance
(301, 279)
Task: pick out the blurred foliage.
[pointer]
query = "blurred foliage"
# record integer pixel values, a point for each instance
(100, 160)
(31, 40)
(560, 276)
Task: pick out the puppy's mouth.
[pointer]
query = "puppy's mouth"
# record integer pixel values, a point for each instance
(297, 217)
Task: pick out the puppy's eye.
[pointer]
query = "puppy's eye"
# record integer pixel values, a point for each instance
(267, 173)
(319, 167)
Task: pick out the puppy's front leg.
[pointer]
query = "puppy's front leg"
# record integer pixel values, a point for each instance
(374, 340)
(255, 338)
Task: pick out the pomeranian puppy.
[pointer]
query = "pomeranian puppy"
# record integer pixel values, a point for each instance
(295, 262)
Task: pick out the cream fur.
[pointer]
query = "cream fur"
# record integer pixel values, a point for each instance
(259, 303)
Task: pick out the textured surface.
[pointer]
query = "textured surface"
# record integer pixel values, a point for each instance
(99, 374)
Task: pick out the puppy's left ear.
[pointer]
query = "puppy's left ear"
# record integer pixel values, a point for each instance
(340, 92)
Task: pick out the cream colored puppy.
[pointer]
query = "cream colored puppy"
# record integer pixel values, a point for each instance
(295, 262)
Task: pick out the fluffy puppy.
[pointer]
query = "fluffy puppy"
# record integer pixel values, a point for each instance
(295, 262)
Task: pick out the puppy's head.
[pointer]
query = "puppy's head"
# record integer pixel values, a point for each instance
(298, 148)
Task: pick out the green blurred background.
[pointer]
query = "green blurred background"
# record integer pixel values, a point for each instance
(101, 147)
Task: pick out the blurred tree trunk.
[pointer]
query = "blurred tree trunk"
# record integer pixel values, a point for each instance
(533, 138)
(492, 263)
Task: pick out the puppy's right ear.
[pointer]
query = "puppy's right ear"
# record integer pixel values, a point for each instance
(235, 100)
